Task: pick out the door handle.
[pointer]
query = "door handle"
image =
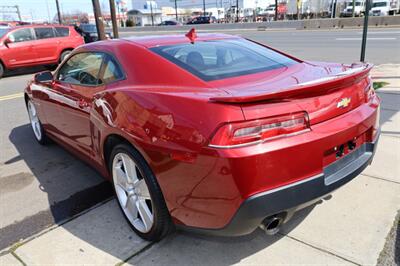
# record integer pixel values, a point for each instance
(82, 103)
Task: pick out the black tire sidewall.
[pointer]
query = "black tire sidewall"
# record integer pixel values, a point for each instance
(1, 70)
(64, 55)
(162, 222)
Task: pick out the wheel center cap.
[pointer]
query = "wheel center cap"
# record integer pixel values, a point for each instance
(131, 192)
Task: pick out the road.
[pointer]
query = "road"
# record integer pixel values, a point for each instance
(327, 45)
(41, 186)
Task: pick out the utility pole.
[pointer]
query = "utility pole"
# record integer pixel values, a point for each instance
(298, 9)
(365, 30)
(354, 12)
(276, 10)
(48, 12)
(334, 9)
(176, 10)
(121, 22)
(255, 12)
(151, 13)
(114, 19)
(237, 10)
(204, 7)
(58, 12)
(99, 20)
(18, 13)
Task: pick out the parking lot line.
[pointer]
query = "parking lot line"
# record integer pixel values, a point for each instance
(11, 96)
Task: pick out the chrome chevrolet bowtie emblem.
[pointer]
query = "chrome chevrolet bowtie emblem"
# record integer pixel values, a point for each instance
(343, 103)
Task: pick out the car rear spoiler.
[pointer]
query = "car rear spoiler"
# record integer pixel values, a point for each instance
(314, 87)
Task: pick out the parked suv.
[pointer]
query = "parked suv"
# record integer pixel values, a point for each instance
(31, 45)
(89, 32)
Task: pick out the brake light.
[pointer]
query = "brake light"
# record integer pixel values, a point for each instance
(260, 130)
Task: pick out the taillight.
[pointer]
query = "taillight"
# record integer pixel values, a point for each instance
(251, 132)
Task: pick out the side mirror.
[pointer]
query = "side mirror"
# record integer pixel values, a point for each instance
(7, 41)
(44, 77)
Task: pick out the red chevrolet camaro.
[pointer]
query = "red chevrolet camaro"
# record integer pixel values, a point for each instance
(212, 133)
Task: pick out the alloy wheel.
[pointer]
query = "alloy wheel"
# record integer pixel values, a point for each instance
(35, 122)
(132, 192)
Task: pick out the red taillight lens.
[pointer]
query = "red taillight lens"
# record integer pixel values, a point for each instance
(255, 131)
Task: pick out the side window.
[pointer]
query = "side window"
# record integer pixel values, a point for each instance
(82, 69)
(21, 35)
(112, 71)
(44, 33)
(62, 31)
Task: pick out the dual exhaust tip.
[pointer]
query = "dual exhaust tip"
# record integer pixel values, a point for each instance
(271, 225)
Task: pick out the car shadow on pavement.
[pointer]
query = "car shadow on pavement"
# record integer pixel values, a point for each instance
(28, 70)
(69, 185)
(59, 173)
(184, 248)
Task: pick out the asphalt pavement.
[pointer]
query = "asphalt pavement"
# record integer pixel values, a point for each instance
(39, 186)
(42, 186)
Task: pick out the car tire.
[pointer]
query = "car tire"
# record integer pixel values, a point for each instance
(64, 55)
(1, 70)
(138, 194)
(36, 125)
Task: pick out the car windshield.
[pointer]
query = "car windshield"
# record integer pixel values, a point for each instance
(219, 59)
(89, 27)
(3, 31)
(378, 4)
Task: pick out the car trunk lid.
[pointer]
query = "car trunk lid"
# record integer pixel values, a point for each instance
(322, 90)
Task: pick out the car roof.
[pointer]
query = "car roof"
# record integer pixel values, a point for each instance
(163, 40)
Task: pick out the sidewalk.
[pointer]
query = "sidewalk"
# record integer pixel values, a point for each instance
(351, 228)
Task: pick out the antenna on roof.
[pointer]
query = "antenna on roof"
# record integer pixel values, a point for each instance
(191, 35)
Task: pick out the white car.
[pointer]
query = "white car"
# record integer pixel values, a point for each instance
(359, 8)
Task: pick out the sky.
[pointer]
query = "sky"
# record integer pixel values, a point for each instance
(43, 9)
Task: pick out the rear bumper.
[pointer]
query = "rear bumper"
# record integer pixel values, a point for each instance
(290, 198)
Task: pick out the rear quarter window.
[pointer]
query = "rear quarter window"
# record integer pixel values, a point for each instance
(112, 71)
(219, 59)
(44, 33)
(62, 31)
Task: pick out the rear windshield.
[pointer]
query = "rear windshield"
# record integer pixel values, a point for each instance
(213, 60)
